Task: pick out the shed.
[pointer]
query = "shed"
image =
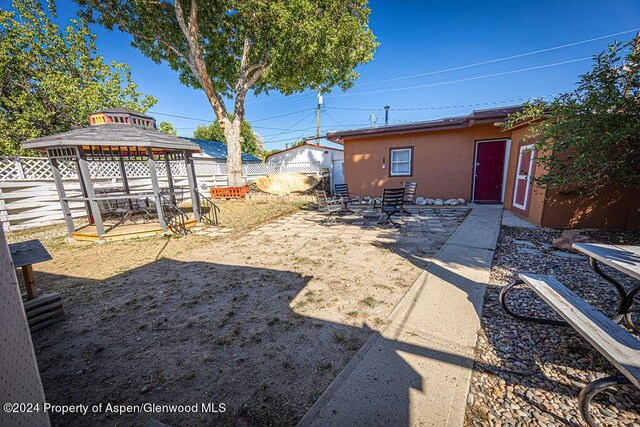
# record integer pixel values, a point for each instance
(329, 158)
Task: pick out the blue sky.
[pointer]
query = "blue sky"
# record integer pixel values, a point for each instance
(416, 37)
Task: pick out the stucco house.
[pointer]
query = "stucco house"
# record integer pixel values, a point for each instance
(472, 157)
(330, 158)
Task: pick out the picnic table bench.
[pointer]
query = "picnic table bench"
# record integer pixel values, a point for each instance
(616, 344)
(41, 310)
(623, 258)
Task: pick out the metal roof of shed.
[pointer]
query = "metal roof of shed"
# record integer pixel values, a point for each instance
(218, 150)
(113, 134)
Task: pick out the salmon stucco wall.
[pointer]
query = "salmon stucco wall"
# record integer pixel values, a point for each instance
(442, 161)
(611, 208)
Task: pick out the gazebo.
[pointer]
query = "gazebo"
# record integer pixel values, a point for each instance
(117, 136)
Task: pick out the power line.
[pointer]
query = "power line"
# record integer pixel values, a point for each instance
(282, 115)
(305, 117)
(465, 79)
(444, 107)
(211, 121)
(506, 58)
(334, 119)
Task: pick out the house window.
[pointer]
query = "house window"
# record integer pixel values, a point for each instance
(400, 160)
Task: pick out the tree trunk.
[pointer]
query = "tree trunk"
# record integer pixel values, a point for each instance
(234, 151)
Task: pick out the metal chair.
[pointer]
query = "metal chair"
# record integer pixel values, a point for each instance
(409, 195)
(328, 205)
(342, 190)
(392, 199)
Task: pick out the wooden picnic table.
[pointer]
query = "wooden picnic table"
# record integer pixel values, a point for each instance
(624, 258)
(24, 255)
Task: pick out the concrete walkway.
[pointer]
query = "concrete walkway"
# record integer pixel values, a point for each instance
(417, 371)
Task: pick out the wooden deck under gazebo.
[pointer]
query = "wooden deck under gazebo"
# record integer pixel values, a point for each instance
(117, 136)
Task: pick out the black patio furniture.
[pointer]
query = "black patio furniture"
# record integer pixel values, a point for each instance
(391, 204)
(328, 205)
(342, 190)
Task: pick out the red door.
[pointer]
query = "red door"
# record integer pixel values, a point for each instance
(489, 171)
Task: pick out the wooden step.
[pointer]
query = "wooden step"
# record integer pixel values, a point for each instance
(44, 310)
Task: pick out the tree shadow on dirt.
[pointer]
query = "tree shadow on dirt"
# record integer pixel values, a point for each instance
(173, 332)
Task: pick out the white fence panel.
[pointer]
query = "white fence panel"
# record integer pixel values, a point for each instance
(28, 196)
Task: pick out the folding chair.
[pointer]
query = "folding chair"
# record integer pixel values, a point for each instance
(342, 190)
(409, 195)
(327, 205)
(391, 204)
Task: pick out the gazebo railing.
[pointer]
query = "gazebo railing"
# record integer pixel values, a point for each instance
(175, 217)
(208, 210)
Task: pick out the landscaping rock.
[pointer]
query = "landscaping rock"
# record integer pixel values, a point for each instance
(529, 251)
(567, 255)
(568, 238)
(438, 202)
(530, 374)
(421, 201)
(523, 243)
(429, 201)
(462, 201)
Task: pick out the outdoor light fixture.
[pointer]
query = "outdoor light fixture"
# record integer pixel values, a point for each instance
(383, 165)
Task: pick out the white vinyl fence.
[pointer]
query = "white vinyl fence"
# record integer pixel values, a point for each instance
(28, 196)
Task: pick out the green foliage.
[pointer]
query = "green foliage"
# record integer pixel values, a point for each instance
(251, 142)
(590, 138)
(230, 47)
(51, 78)
(166, 127)
(301, 43)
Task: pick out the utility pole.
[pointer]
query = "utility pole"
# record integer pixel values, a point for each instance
(318, 114)
(636, 46)
(386, 115)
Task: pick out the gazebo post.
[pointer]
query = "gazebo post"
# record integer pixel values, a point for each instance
(156, 188)
(62, 194)
(125, 179)
(193, 186)
(85, 178)
(167, 165)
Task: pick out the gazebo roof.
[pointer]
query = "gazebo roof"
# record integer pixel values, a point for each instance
(112, 134)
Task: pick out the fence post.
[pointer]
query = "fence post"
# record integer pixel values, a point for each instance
(19, 168)
(4, 215)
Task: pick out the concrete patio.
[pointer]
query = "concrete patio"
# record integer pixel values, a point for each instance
(362, 225)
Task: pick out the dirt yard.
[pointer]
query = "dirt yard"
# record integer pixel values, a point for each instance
(261, 320)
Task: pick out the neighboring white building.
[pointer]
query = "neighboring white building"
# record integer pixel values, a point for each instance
(330, 158)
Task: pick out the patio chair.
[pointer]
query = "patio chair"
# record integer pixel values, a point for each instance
(392, 199)
(409, 195)
(342, 190)
(328, 205)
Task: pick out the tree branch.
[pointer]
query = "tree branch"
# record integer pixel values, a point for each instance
(196, 63)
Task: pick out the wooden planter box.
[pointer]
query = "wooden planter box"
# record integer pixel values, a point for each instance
(229, 192)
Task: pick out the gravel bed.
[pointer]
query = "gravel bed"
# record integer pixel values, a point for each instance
(531, 374)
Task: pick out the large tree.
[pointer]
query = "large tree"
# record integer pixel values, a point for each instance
(166, 127)
(51, 77)
(250, 142)
(228, 47)
(589, 138)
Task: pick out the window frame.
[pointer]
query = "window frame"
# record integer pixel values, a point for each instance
(391, 162)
